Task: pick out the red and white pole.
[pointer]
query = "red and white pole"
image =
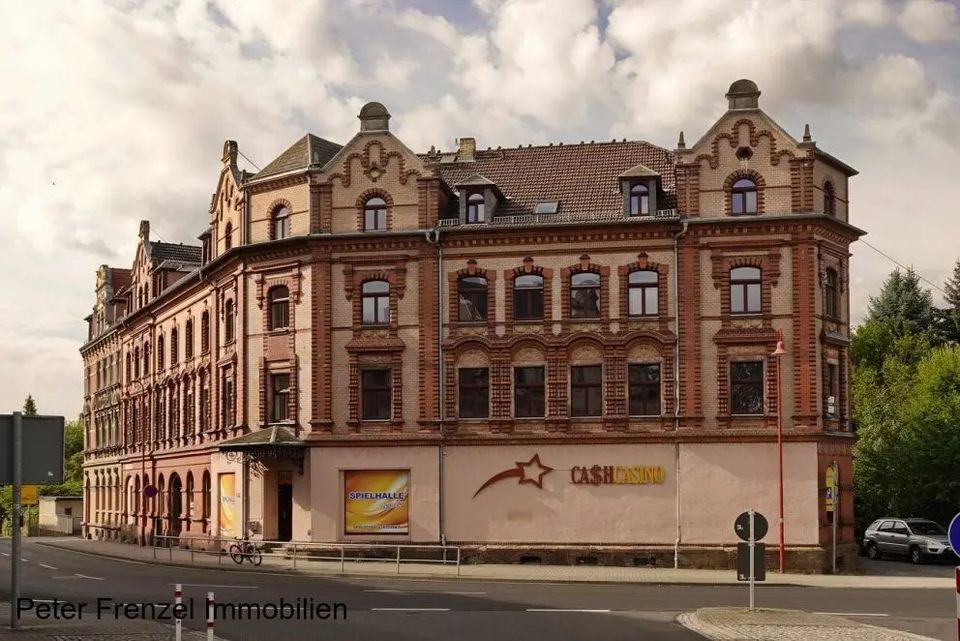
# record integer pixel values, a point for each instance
(209, 616)
(177, 621)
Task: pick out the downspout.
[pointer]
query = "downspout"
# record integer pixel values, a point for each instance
(433, 237)
(676, 383)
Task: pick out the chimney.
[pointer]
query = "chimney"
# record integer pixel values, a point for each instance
(467, 150)
(145, 230)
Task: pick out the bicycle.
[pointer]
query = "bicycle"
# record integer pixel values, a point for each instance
(244, 549)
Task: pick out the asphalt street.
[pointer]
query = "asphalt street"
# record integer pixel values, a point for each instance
(420, 610)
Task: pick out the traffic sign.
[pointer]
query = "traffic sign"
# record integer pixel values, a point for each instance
(149, 491)
(28, 495)
(742, 526)
(953, 532)
(743, 562)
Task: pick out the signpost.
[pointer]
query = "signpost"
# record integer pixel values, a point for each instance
(832, 503)
(751, 559)
(35, 444)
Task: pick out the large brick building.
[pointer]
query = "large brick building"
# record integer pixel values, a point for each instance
(559, 351)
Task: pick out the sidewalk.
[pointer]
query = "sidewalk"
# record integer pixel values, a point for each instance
(488, 572)
(741, 624)
(33, 629)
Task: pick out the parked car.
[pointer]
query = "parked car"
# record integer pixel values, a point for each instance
(917, 539)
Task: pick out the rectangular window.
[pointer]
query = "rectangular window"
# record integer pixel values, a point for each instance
(528, 297)
(227, 399)
(586, 390)
(746, 387)
(376, 393)
(831, 389)
(529, 392)
(474, 392)
(279, 398)
(644, 389)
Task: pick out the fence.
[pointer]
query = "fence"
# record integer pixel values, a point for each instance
(311, 551)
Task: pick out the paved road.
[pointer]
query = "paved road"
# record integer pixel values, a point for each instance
(421, 610)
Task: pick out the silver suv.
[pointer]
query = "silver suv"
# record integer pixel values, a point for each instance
(918, 539)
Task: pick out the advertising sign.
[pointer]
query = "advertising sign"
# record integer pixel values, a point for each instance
(228, 504)
(376, 501)
(28, 495)
(831, 485)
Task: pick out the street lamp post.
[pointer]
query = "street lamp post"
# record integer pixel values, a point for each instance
(778, 352)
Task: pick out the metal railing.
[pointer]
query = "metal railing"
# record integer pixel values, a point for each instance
(311, 551)
(566, 218)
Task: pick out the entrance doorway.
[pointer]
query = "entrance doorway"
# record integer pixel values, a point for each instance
(176, 505)
(284, 511)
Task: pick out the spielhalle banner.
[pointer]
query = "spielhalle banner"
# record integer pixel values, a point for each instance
(376, 501)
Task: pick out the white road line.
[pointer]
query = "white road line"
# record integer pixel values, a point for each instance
(95, 578)
(210, 585)
(49, 567)
(854, 614)
(410, 609)
(564, 610)
(388, 591)
(4, 554)
(25, 560)
(463, 593)
(43, 600)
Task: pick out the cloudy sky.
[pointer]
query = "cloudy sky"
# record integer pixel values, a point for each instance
(111, 112)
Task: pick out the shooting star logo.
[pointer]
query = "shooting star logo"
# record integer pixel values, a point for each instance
(532, 472)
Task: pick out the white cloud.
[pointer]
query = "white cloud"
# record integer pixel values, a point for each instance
(930, 21)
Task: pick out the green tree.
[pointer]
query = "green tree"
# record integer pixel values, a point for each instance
(903, 302)
(952, 312)
(29, 406)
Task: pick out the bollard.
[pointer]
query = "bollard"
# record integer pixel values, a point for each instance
(209, 616)
(178, 622)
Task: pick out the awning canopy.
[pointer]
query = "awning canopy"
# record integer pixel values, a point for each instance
(276, 443)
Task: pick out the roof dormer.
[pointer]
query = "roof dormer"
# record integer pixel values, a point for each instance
(640, 187)
(479, 197)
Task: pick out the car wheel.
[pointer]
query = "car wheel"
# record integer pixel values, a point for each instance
(916, 556)
(873, 551)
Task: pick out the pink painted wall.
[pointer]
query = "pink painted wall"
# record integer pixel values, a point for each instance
(326, 489)
(719, 481)
(561, 512)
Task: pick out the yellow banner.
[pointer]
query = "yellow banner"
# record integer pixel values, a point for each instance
(28, 495)
(228, 504)
(376, 501)
(831, 493)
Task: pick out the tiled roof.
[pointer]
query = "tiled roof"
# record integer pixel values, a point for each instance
(175, 252)
(583, 178)
(309, 150)
(119, 278)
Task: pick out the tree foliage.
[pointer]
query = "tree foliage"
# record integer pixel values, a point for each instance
(29, 406)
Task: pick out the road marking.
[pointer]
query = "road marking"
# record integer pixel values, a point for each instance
(854, 614)
(388, 591)
(463, 593)
(410, 609)
(210, 585)
(564, 610)
(94, 578)
(25, 560)
(49, 567)
(4, 554)
(43, 600)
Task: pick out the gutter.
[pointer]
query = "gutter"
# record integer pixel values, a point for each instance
(676, 382)
(433, 237)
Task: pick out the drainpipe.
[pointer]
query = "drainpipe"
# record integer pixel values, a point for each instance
(433, 237)
(676, 383)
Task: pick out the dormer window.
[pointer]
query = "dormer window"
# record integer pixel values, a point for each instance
(743, 197)
(639, 200)
(475, 212)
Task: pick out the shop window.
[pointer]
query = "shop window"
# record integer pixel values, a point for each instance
(376, 302)
(745, 285)
(639, 200)
(746, 387)
(643, 293)
(585, 295)
(830, 291)
(279, 304)
(528, 297)
(586, 390)
(529, 392)
(644, 389)
(377, 394)
(279, 398)
(472, 294)
(474, 392)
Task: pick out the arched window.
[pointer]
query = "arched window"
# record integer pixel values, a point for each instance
(745, 290)
(188, 339)
(831, 305)
(228, 326)
(129, 368)
(227, 237)
(528, 297)
(585, 295)
(146, 359)
(829, 199)
(279, 300)
(472, 292)
(159, 353)
(375, 214)
(205, 491)
(639, 200)
(136, 362)
(205, 333)
(376, 302)
(174, 346)
(281, 223)
(189, 506)
(643, 293)
(475, 213)
(743, 197)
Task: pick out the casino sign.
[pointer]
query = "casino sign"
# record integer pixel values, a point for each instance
(532, 472)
